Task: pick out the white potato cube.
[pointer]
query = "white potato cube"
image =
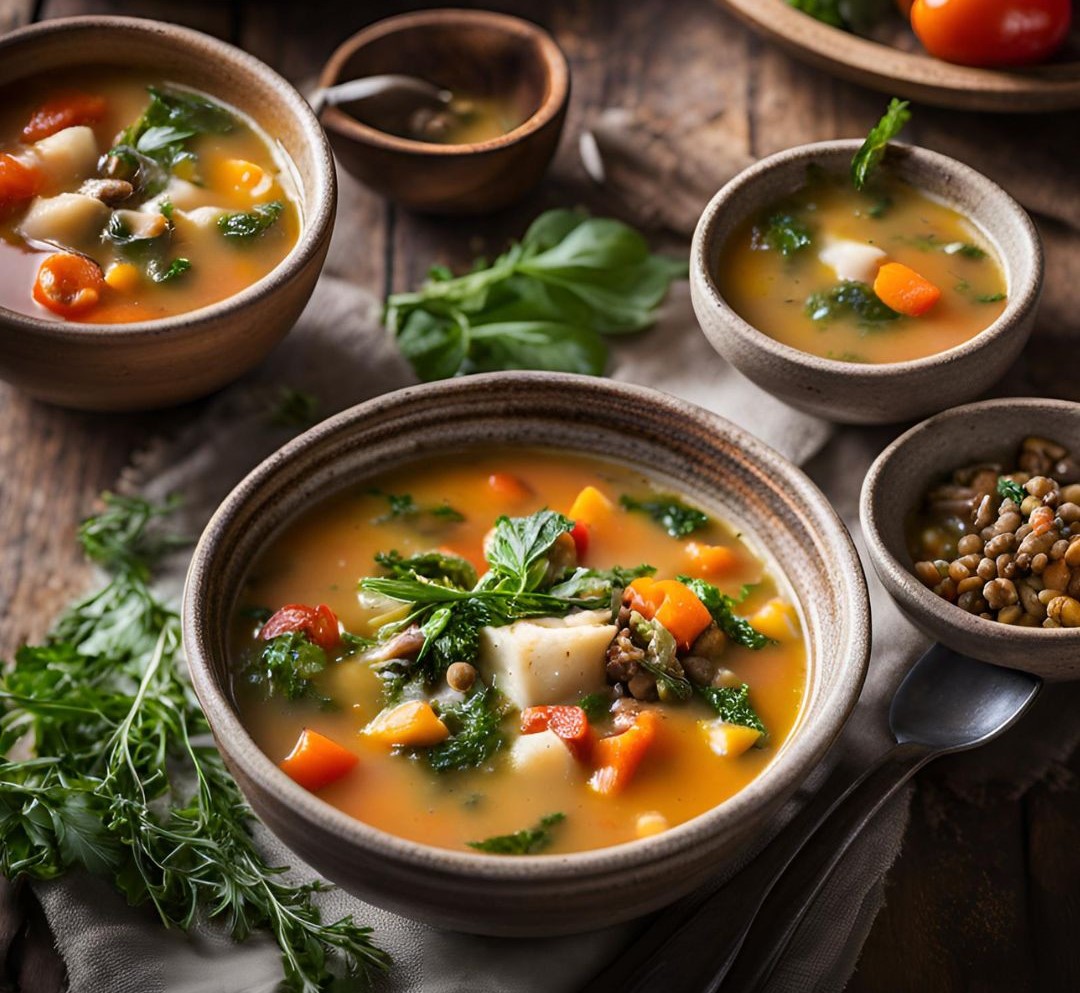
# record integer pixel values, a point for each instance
(197, 221)
(181, 194)
(543, 754)
(549, 659)
(69, 220)
(852, 260)
(68, 155)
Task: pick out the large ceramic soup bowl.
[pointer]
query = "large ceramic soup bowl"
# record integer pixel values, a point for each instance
(785, 271)
(466, 449)
(166, 204)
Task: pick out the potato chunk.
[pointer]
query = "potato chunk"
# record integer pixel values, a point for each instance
(549, 659)
(543, 754)
(69, 220)
(68, 155)
(852, 260)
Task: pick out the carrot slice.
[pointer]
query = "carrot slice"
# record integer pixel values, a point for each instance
(711, 560)
(319, 623)
(317, 761)
(672, 604)
(18, 181)
(904, 290)
(69, 284)
(64, 111)
(570, 724)
(617, 757)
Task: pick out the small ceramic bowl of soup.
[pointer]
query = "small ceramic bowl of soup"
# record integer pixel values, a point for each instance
(166, 203)
(524, 654)
(866, 306)
(972, 521)
(507, 84)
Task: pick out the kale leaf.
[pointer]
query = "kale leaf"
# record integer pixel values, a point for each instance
(247, 225)
(783, 233)
(475, 734)
(284, 667)
(722, 608)
(670, 513)
(527, 841)
(732, 703)
(451, 570)
(871, 152)
(849, 298)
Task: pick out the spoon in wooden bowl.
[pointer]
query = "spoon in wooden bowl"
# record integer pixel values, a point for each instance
(381, 87)
(947, 703)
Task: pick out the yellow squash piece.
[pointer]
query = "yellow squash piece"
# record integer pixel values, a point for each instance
(729, 740)
(591, 507)
(412, 724)
(777, 620)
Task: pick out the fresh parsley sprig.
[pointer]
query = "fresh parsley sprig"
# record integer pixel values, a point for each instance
(527, 841)
(871, 152)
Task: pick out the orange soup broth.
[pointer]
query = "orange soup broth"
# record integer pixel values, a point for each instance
(321, 557)
(769, 291)
(219, 269)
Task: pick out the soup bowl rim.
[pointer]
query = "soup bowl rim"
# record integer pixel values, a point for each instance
(315, 218)
(1022, 299)
(807, 741)
(555, 68)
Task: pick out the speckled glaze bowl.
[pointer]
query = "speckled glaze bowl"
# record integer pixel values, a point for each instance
(856, 393)
(788, 520)
(164, 362)
(894, 487)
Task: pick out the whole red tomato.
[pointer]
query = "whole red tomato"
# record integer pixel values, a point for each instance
(991, 32)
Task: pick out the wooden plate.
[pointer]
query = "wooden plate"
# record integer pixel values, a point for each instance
(894, 65)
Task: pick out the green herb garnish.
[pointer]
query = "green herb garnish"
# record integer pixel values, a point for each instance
(990, 298)
(528, 841)
(247, 225)
(543, 304)
(124, 780)
(597, 706)
(475, 734)
(869, 156)
(452, 570)
(661, 657)
(284, 667)
(403, 505)
(1009, 489)
(670, 513)
(849, 299)
(732, 703)
(161, 272)
(783, 233)
(722, 607)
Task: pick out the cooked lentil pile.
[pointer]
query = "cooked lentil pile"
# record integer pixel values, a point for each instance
(1005, 543)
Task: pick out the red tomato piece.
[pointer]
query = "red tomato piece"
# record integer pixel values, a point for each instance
(64, 111)
(570, 724)
(319, 623)
(580, 534)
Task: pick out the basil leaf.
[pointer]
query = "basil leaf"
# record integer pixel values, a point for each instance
(519, 543)
(537, 345)
(528, 841)
(250, 224)
(870, 154)
(435, 346)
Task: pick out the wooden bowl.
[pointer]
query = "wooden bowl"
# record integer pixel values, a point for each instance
(472, 51)
(786, 517)
(864, 393)
(895, 486)
(158, 363)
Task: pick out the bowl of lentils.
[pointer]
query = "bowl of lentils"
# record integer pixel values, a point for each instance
(972, 521)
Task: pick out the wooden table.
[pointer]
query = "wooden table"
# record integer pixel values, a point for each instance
(986, 895)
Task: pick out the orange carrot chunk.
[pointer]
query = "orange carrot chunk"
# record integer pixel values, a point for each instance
(672, 604)
(317, 761)
(617, 757)
(61, 112)
(570, 725)
(904, 290)
(69, 284)
(711, 560)
(18, 181)
(509, 488)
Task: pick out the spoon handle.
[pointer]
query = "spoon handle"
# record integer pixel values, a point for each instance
(691, 947)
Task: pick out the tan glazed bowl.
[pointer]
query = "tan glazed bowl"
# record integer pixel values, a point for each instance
(851, 392)
(476, 52)
(783, 514)
(159, 363)
(894, 487)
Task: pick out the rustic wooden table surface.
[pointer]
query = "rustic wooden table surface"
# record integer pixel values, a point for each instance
(986, 893)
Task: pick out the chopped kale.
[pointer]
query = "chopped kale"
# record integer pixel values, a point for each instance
(443, 567)
(849, 298)
(732, 704)
(670, 513)
(475, 734)
(722, 608)
(250, 224)
(528, 841)
(597, 706)
(783, 233)
(285, 666)
(159, 272)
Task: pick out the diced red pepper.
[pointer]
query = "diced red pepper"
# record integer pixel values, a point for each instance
(570, 724)
(319, 623)
(580, 534)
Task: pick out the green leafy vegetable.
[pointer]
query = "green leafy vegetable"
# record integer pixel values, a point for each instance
(542, 304)
(528, 841)
(661, 657)
(594, 582)
(670, 513)
(520, 544)
(826, 11)
(849, 298)
(783, 233)
(990, 298)
(475, 734)
(159, 272)
(732, 703)
(870, 154)
(850, 15)
(452, 570)
(250, 224)
(722, 607)
(284, 667)
(403, 505)
(1009, 489)
(148, 251)
(932, 243)
(597, 706)
(123, 779)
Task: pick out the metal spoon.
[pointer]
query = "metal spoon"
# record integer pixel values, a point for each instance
(947, 703)
(368, 87)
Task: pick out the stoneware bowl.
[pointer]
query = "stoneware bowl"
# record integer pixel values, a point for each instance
(856, 393)
(469, 51)
(167, 361)
(894, 487)
(786, 517)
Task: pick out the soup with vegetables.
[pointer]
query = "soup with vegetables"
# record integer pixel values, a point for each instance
(882, 274)
(128, 198)
(515, 652)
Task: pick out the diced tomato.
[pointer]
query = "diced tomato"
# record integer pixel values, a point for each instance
(618, 756)
(570, 724)
(68, 284)
(580, 534)
(317, 761)
(319, 623)
(18, 181)
(61, 112)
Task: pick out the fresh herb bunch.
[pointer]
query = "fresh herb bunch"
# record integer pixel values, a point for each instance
(123, 780)
(722, 607)
(674, 516)
(871, 152)
(543, 304)
(527, 841)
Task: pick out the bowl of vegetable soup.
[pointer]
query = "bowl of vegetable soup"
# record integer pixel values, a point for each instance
(166, 203)
(868, 304)
(524, 653)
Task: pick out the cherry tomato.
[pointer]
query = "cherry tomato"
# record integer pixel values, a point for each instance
(319, 623)
(580, 534)
(991, 32)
